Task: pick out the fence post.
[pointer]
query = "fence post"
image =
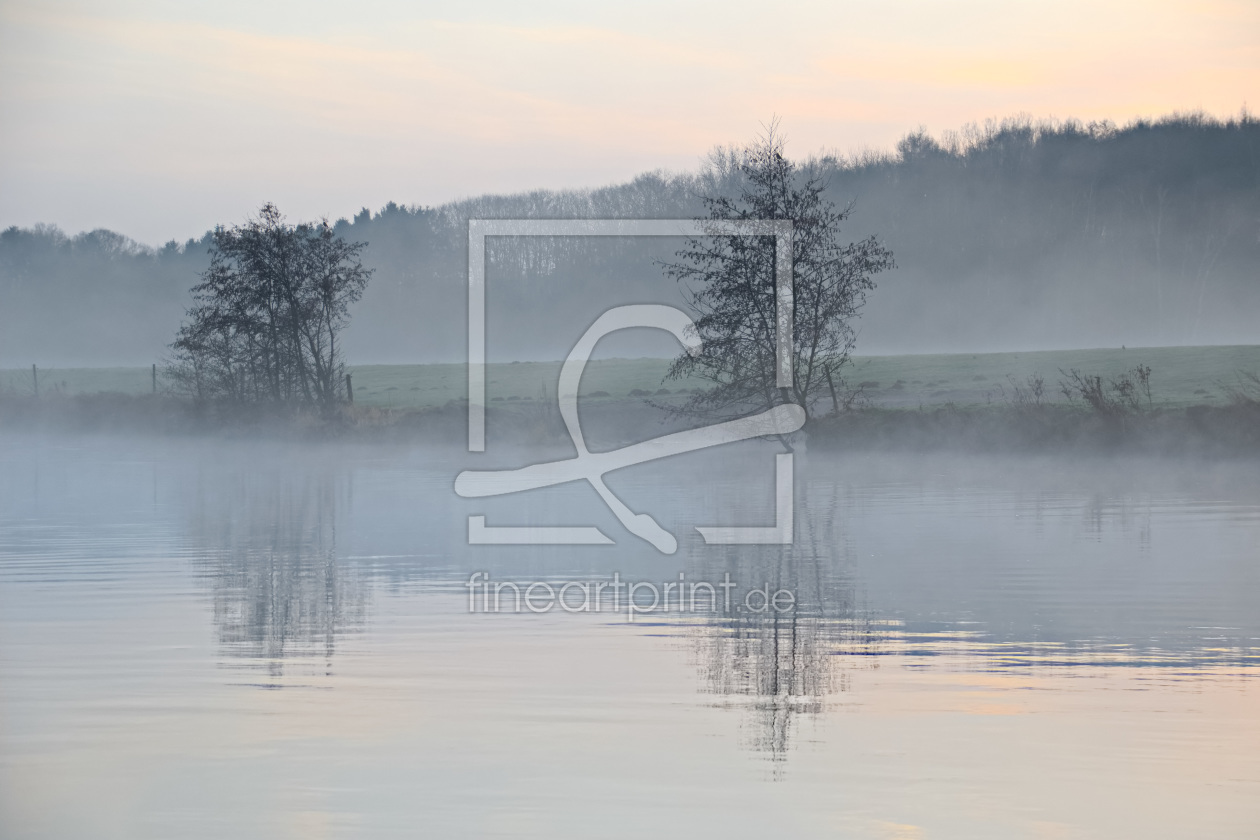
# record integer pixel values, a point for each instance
(349, 390)
(35, 379)
(155, 377)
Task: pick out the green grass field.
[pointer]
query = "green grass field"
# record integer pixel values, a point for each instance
(1180, 376)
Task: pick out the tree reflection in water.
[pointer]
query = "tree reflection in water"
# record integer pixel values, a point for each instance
(279, 591)
(782, 665)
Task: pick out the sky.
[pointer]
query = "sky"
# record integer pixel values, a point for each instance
(160, 119)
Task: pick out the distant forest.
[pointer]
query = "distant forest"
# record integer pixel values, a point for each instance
(1011, 235)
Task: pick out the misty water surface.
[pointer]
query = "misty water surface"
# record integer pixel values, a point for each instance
(264, 640)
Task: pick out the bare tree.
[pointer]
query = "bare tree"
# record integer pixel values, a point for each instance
(1115, 397)
(730, 282)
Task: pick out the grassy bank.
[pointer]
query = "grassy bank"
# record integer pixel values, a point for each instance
(1182, 376)
(1199, 430)
(961, 401)
(1204, 430)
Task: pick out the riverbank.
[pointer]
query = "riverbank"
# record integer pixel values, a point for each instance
(1181, 376)
(1198, 430)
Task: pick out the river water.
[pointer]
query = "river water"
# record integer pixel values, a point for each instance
(233, 639)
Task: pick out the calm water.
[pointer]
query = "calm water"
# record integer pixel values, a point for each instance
(235, 640)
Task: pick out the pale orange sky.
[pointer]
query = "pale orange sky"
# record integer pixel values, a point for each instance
(159, 119)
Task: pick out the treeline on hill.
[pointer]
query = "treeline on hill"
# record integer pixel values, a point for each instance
(1008, 235)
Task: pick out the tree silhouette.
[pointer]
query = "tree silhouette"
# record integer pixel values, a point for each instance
(731, 285)
(267, 315)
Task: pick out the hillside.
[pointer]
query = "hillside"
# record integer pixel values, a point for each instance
(1009, 236)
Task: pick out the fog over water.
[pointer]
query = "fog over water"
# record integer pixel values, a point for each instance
(651, 421)
(238, 600)
(201, 638)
